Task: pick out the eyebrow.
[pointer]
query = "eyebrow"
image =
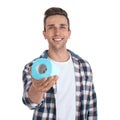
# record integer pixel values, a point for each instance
(54, 25)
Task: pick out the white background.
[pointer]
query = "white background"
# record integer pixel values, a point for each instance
(95, 26)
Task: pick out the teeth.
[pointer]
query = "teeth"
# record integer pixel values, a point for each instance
(58, 39)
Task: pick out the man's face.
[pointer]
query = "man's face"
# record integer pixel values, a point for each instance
(57, 32)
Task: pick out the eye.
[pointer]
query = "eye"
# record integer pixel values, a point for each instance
(51, 27)
(63, 27)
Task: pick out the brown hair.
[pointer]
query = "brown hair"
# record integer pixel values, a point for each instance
(55, 11)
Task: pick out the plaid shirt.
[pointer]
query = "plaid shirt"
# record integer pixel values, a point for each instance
(86, 102)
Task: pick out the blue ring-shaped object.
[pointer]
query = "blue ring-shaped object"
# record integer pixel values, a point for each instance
(34, 68)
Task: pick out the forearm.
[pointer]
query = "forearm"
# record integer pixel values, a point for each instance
(34, 95)
(27, 81)
(92, 112)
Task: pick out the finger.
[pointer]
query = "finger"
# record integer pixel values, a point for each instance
(50, 82)
(45, 84)
(38, 83)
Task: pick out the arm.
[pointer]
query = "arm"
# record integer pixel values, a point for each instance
(34, 95)
(92, 105)
(27, 87)
(34, 89)
(92, 99)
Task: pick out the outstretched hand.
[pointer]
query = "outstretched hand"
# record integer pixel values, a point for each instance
(45, 84)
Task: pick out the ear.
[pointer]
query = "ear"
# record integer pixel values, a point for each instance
(69, 33)
(44, 34)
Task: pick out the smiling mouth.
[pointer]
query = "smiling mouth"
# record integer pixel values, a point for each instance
(57, 39)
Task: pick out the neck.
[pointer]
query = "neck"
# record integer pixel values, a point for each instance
(59, 56)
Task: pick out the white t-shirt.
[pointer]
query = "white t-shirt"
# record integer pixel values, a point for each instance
(65, 91)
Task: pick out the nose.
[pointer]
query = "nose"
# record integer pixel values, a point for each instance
(57, 31)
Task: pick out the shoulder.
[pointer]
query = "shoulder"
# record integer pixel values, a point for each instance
(79, 61)
(78, 58)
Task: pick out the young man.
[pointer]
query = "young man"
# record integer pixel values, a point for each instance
(69, 96)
